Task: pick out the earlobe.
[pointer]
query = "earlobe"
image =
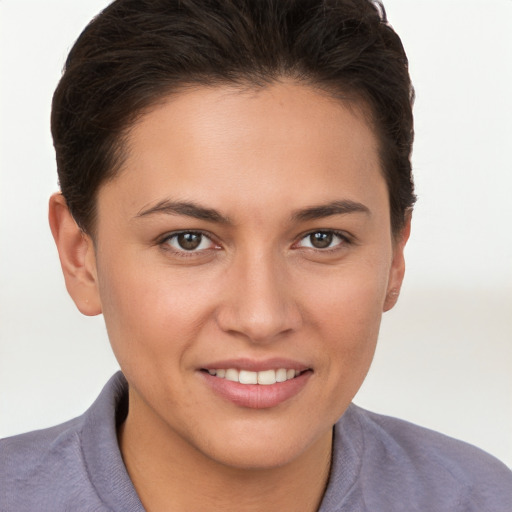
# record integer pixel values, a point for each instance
(397, 270)
(77, 257)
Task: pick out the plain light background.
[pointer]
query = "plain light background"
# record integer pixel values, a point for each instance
(445, 353)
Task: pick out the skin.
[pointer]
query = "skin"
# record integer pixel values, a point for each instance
(256, 288)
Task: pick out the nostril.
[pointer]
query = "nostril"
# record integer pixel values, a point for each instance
(259, 327)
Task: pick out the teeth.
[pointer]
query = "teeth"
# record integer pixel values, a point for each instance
(232, 374)
(281, 374)
(246, 377)
(264, 378)
(267, 377)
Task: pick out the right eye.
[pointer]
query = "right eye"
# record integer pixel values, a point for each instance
(189, 241)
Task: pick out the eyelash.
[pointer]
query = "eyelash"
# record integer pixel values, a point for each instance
(345, 240)
(164, 242)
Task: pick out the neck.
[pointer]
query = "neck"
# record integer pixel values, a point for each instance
(168, 472)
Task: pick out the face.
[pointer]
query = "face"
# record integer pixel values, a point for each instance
(243, 259)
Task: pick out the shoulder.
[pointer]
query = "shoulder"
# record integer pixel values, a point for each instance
(62, 467)
(398, 439)
(35, 467)
(35, 446)
(402, 462)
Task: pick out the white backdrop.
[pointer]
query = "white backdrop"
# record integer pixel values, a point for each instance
(445, 354)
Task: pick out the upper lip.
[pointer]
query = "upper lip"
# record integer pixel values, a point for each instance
(254, 365)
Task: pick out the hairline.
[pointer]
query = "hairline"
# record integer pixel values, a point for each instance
(353, 100)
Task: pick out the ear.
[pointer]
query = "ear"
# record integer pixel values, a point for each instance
(77, 257)
(397, 270)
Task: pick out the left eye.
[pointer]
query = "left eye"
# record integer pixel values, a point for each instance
(189, 241)
(322, 240)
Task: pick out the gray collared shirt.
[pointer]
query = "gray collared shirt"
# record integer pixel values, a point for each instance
(379, 464)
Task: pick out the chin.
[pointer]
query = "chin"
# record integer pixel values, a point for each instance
(255, 458)
(254, 448)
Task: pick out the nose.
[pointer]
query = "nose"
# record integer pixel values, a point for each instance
(259, 303)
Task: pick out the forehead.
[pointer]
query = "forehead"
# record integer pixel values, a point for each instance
(218, 144)
(291, 110)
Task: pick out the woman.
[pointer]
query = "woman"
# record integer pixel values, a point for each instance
(236, 198)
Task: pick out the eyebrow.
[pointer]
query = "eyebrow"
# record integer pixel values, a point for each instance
(191, 209)
(186, 208)
(326, 210)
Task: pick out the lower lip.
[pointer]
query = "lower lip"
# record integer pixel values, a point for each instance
(257, 396)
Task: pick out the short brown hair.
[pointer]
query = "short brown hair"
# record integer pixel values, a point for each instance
(136, 52)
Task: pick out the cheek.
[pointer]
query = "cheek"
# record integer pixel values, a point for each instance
(150, 312)
(346, 311)
(350, 298)
(352, 327)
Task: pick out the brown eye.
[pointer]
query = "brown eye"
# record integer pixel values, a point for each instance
(321, 239)
(189, 241)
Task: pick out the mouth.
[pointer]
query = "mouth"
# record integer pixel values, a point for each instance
(263, 378)
(256, 385)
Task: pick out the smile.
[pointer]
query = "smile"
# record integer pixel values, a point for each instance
(265, 377)
(256, 389)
